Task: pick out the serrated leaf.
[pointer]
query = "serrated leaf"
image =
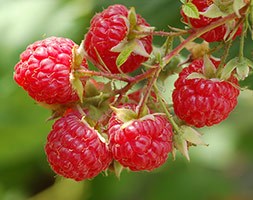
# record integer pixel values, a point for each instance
(229, 67)
(192, 136)
(190, 10)
(181, 145)
(237, 5)
(213, 11)
(209, 69)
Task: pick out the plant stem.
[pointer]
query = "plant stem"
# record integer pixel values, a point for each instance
(162, 33)
(148, 90)
(224, 57)
(198, 32)
(121, 77)
(241, 49)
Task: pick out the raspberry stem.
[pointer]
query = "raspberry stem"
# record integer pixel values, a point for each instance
(196, 34)
(161, 33)
(148, 90)
(241, 48)
(120, 77)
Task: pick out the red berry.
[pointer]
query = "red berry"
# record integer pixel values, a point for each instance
(108, 29)
(44, 70)
(214, 35)
(74, 149)
(203, 102)
(143, 144)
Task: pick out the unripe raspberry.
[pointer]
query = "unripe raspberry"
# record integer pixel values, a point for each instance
(75, 150)
(143, 144)
(44, 71)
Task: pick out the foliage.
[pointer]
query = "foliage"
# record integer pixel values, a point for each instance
(221, 171)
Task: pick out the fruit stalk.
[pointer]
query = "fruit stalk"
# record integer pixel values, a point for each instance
(201, 31)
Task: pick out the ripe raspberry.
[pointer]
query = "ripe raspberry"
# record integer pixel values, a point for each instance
(74, 149)
(108, 29)
(203, 102)
(44, 69)
(214, 35)
(143, 144)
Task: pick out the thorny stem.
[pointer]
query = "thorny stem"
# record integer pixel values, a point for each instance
(136, 79)
(120, 77)
(242, 44)
(197, 33)
(148, 90)
(162, 33)
(224, 57)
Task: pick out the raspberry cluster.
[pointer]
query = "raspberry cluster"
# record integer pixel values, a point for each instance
(104, 126)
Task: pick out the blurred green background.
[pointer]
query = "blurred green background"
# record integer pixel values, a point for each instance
(222, 171)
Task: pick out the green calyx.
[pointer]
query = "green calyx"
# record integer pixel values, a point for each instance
(131, 43)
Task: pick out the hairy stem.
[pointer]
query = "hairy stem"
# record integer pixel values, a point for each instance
(148, 90)
(198, 32)
(241, 48)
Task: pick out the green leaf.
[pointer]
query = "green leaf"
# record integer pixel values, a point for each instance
(213, 11)
(126, 48)
(229, 67)
(117, 168)
(209, 69)
(192, 136)
(132, 18)
(77, 86)
(139, 48)
(190, 10)
(124, 114)
(195, 75)
(243, 68)
(183, 1)
(242, 71)
(249, 62)
(181, 145)
(124, 55)
(237, 5)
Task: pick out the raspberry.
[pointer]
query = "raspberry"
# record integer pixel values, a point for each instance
(203, 102)
(44, 69)
(214, 35)
(108, 29)
(74, 149)
(143, 144)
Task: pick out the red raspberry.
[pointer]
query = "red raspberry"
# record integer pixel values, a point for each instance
(44, 70)
(107, 30)
(74, 149)
(203, 102)
(144, 144)
(214, 35)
